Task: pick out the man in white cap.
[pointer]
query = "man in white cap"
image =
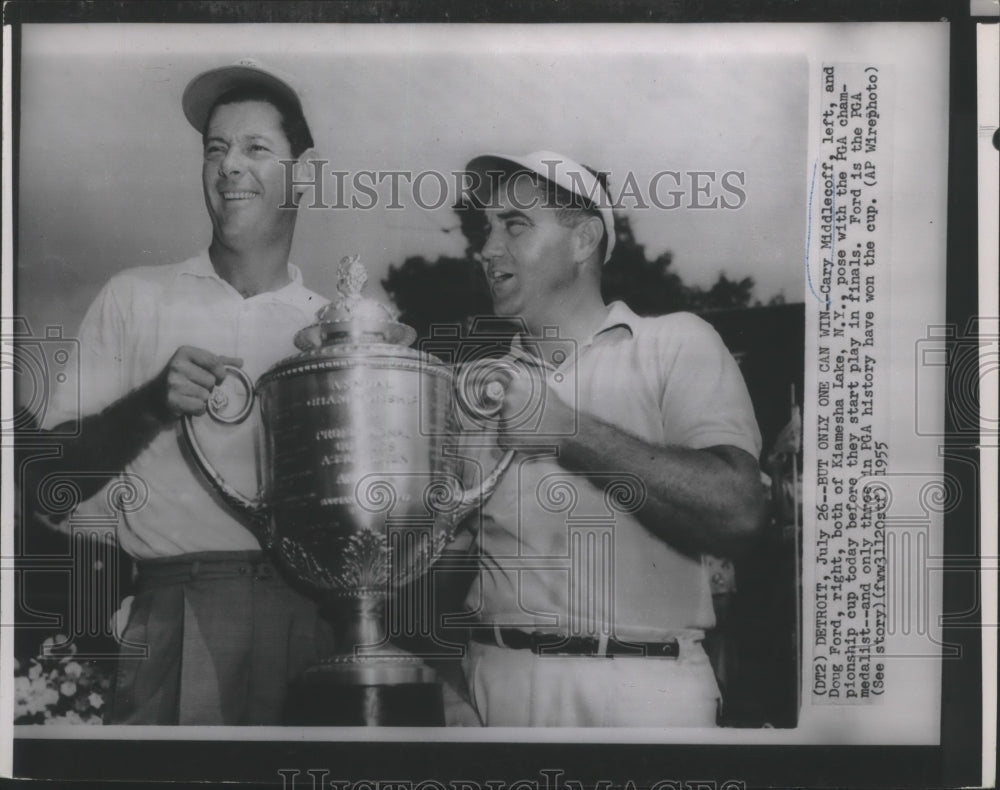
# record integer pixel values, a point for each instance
(222, 630)
(637, 454)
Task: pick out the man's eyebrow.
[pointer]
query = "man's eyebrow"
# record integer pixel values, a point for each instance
(218, 139)
(512, 213)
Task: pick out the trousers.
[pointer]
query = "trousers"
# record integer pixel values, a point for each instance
(213, 639)
(517, 688)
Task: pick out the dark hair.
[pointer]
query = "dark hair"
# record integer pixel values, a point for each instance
(293, 122)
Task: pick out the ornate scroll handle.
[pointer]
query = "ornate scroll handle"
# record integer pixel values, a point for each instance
(480, 386)
(480, 392)
(473, 498)
(217, 402)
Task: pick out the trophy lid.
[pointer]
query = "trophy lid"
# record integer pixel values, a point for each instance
(353, 318)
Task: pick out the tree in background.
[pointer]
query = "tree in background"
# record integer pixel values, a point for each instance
(452, 291)
(445, 291)
(650, 287)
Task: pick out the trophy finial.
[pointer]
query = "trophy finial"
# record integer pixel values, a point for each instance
(352, 275)
(351, 317)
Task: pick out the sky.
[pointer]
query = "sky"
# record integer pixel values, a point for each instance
(109, 169)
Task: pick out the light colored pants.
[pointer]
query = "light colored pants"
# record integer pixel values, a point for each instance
(516, 688)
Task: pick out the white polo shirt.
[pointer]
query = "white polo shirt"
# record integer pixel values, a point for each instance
(556, 553)
(128, 335)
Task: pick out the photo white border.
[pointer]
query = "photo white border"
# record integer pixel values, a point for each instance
(915, 245)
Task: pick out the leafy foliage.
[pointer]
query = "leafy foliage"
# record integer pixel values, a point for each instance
(453, 291)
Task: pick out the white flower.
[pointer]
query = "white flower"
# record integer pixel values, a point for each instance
(35, 670)
(96, 700)
(58, 645)
(22, 687)
(38, 695)
(73, 669)
(68, 689)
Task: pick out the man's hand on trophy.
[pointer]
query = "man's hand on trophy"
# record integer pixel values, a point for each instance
(510, 395)
(530, 410)
(186, 383)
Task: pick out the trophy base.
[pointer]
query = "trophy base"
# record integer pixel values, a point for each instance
(363, 694)
(402, 705)
(370, 682)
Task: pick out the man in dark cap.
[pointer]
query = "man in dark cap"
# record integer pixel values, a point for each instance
(637, 455)
(222, 629)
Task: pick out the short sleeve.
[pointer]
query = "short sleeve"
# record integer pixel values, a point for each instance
(704, 397)
(94, 376)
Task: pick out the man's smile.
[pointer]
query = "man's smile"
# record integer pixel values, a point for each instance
(239, 195)
(496, 277)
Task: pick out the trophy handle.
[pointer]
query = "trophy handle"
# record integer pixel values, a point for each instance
(238, 501)
(475, 497)
(480, 394)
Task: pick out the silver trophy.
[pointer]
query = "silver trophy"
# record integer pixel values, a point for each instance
(361, 491)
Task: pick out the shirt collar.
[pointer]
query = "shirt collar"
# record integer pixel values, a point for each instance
(619, 315)
(293, 293)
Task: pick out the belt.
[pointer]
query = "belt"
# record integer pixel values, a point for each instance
(205, 565)
(542, 643)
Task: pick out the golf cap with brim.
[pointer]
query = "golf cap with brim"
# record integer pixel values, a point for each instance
(207, 88)
(560, 170)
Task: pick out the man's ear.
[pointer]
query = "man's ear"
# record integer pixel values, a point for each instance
(588, 236)
(307, 175)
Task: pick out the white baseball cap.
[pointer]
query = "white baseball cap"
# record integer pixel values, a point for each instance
(207, 88)
(556, 168)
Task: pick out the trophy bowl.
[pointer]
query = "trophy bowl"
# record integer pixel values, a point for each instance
(361, 491)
